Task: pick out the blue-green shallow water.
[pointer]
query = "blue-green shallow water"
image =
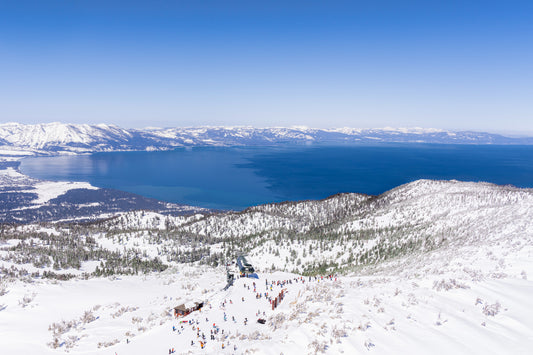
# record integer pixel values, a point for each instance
(235, 178)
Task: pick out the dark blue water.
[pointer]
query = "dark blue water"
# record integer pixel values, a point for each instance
(235, 178)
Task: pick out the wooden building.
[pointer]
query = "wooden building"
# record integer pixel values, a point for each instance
(184, 309)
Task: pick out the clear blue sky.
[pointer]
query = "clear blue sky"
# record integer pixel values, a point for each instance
(444, 64)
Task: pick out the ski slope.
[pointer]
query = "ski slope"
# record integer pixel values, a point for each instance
(471, 301)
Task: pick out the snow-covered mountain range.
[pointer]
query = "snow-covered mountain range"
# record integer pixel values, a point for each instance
(59, 137)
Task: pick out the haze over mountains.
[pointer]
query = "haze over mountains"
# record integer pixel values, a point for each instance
(83, 138)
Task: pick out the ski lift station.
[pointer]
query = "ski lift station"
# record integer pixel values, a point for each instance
(245, 267)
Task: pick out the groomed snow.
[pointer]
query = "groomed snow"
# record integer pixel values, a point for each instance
(468, 301)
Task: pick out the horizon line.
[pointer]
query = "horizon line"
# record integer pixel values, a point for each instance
(409, 129)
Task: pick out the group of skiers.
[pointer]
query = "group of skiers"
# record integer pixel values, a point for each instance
(217, 334)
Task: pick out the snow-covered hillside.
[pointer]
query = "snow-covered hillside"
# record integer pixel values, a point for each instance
(429, 267)
(59, 136)
(348, 230)
(55, 138)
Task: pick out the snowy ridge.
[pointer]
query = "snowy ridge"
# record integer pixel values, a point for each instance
(54, 136)
(359, 229)
(430, 266)
(83, 138)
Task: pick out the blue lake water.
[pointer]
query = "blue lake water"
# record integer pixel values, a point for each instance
(235, 178)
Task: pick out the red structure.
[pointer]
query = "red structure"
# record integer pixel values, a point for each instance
(184, 309)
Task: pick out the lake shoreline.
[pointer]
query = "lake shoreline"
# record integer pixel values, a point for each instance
(234, 178)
